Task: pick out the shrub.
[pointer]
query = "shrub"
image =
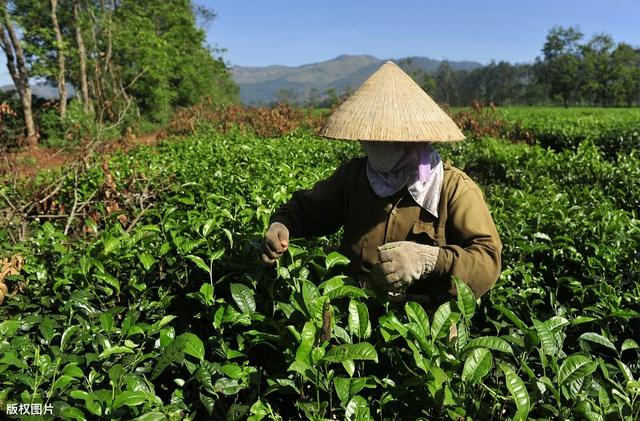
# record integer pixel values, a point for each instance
(276, 121)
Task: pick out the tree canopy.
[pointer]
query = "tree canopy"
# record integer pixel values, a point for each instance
(139, 58)
(570, 71)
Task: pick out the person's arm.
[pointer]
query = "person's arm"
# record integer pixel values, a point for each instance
(317, 211)
(314, 212)
(473, 254)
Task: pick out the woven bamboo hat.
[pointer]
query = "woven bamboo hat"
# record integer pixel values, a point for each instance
(391, 107)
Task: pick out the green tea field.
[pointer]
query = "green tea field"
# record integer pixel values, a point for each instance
(135, 289)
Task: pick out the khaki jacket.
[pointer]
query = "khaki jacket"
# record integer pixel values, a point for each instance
(464, 230)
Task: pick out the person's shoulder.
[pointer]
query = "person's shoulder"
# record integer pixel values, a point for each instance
(455, 173)
(350, 172)
(353, 165)
(456, 181)
(359, 161)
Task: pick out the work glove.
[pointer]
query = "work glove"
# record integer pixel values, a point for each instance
(401, 263)
(275, 243)
(4, 291)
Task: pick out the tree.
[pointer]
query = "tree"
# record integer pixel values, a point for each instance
(313, 98)
(82, 58)
(419, 75)
(331, 98)
(625, 69)
(445, 83)
(127, 57)
(59, 48)
(109, 92)
(597, 68)
(17, 67)
(162, 57)
(43, 26)
(561, 63)
(533, 92)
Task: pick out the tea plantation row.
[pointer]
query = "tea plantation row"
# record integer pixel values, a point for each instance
(612, 130)
(174, 317)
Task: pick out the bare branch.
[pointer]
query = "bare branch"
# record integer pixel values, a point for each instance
(138, 217)
(75, 204)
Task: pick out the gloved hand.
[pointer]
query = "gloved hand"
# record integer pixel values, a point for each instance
(4, 291)
(275, 243)
(401, 263)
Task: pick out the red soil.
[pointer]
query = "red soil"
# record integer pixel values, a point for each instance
(29, 161)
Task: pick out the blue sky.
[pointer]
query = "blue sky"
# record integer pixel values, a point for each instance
(258, 32)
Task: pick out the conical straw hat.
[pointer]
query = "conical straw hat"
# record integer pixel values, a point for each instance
(390, 106)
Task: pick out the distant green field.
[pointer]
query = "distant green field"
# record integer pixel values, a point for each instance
(521, 111)
(517, 110)
(613, 130)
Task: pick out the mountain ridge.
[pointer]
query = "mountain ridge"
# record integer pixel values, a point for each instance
(264, 84)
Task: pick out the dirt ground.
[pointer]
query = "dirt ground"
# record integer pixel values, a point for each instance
(27, 162)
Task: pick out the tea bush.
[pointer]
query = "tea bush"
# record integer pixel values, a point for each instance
(612, 130)
(174, 317)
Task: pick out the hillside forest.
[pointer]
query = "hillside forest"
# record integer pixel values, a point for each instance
(129, 62)
(571, 71)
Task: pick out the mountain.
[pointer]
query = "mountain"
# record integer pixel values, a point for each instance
(261, 85)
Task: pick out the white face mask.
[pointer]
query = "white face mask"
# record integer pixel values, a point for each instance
(384, 156)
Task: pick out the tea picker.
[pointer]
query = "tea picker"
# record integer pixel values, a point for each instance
(411, 221)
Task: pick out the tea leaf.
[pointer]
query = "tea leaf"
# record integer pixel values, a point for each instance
(511, 316)
(345, 291)
(441, 321)
(341, 386)
(357, 409)
(9, 327)
(548, 342)
(115, 350)
(335, 259)
(477, 365)
(199, 262)
(359, 351)
(243, 297)
(66, 336)
(416, 313)
(147, 260)
(517, 390)
(574, 368)
(598, 339)
(490, 342)
(629, 344)
(359, 319)
(307, 343)
(109, 280)
(310, 294)
(466, 299)
(191, 345)
(111, 245)
(129, 399)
